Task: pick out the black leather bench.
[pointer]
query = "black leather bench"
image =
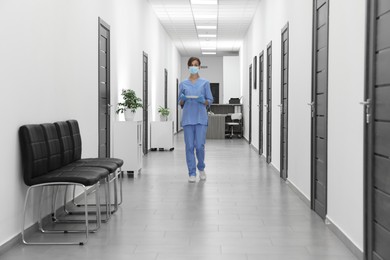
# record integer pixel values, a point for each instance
(70, 138)
(49, 158)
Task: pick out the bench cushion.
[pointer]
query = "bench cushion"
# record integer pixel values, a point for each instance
(34, 152)
(83, 175)
(76, 137)
(66, 142)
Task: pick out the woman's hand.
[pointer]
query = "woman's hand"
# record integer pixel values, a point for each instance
(201, 99)
(183, 97)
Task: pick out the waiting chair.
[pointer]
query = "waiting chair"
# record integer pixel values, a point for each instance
(42, 168)
(236, 122)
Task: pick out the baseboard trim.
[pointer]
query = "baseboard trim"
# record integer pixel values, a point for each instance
(345, 239)
(17, 239)
(299, 193)
(254, 148)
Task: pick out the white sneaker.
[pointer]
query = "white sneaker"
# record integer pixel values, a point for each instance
(202, 175)
(192, 179)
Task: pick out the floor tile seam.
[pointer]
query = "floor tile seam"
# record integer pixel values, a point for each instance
(327, 253)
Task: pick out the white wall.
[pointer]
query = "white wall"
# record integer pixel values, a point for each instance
(133, 19)
(49, 73)
(345, 125)
(345, 119)
(231, 78)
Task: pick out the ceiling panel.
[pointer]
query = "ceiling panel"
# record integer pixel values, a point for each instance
(180, 18)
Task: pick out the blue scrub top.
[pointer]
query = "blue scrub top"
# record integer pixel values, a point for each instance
(194, 112)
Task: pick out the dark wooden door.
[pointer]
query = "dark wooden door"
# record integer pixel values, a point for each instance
(377, 133)
(214, 87)
(177, 106)
(319, 132)
(145, 99)
(104, 89)
(284, 105)
(165, 88)
(250, 105)
(269, 103)
(261, 101)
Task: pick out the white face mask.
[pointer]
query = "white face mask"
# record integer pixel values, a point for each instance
(193, 69)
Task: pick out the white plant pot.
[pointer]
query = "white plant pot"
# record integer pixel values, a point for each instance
(163, 118)
(129, 116)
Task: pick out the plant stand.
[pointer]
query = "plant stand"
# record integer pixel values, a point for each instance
(128, 146)
(161, 136)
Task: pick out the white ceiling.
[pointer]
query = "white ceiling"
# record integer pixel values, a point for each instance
(180, 19)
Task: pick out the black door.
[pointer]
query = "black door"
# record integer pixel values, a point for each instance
(104, 89)
(214, 87)
(319, 133)
(250, 105)
(261, 100)
(269, 102)
(377, 133)
(177, 106)
(284, 105)
(165, 88)
(145, 95)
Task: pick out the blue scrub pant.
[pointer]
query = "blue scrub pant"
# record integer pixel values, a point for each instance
(195, 138)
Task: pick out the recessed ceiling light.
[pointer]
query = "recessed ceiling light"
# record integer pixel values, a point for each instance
(208, 44)
(208, 48)
(204, 2)
(207, 35)
(206, 16)
(206, 27)
(209, 53)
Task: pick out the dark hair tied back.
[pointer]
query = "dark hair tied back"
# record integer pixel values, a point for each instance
(190, 60)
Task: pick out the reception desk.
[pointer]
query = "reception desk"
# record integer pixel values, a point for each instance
(226, 108)
(216, 127)
(217, 119)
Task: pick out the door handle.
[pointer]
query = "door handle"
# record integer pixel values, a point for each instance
(266, 105)
(281, 108)
(311, 104)
(367, 104)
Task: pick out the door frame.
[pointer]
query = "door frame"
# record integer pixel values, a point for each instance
(371, 6)
(313, 110)
(250, 104)
(261, 101)
(283, 172)
(269, 104)
(177, 105)
(106, 26)
(165, 88)
(145, 98)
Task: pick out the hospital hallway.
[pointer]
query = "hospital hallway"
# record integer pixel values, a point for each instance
(243, 211)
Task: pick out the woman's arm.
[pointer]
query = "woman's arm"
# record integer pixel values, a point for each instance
(181, 93)
(208, 95)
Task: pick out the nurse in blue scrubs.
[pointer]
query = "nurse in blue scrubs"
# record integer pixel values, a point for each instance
(194, 97)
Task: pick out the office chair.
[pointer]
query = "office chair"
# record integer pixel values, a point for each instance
(236, 121)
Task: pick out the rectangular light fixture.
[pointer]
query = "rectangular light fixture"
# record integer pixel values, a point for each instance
(207, 35)
(204, 2)
(205, 16)
(208, 48)
(210, 27)
(208, 45)
(209, 53)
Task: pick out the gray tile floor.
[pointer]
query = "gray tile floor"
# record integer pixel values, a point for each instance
(243, 211)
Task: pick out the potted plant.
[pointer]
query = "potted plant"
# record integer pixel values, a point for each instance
(130, 104)
(164, 113)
